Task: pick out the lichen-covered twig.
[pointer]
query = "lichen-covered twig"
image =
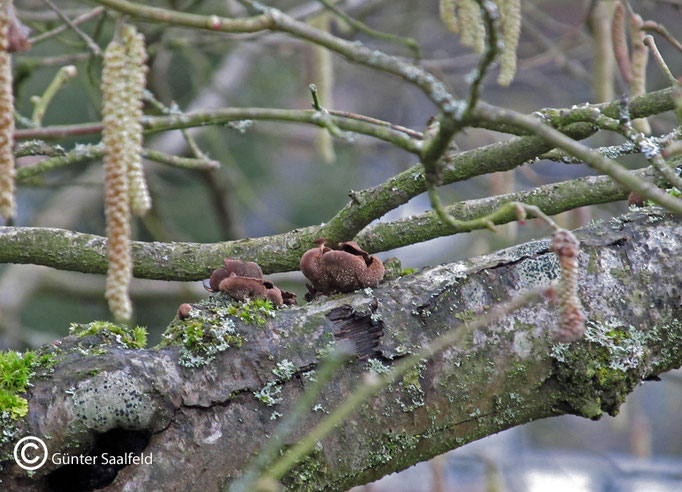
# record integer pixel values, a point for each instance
(168, 261)
(84, 153)
(591, 157)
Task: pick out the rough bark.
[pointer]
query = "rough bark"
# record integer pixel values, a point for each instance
(203, 424)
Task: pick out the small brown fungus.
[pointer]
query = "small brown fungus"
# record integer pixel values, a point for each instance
(635, 199)
(240, 268)
(243, 281)
(344, 270)
(243, 289)
(289, 298)
(243, 268)
(183, 311)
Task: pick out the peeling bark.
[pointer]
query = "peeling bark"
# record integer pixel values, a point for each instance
(203, 424)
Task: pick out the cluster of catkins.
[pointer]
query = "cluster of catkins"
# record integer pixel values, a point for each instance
(123, 81)
(463, 17)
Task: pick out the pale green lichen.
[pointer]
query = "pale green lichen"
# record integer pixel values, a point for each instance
(378, 367)
(413, 394)
(200, 340)
(132, 338)
(285, 370)
(625, 347)
(268, 394)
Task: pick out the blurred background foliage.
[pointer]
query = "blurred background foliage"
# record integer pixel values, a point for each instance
(273, 177)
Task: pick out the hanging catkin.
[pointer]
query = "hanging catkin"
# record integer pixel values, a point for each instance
(571, 325)
(136, 67)
(7, 200)
(510, 19)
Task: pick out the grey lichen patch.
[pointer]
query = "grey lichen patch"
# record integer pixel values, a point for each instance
(538, 272)
(377, 367)
(112, 400)
(128, 337)
(522, 344)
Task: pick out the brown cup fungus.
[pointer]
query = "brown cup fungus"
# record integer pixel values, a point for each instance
(344, 270)
(243, 281)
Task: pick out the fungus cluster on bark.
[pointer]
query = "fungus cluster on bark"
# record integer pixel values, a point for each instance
(330, 272)
(337, 271)
(243, 281)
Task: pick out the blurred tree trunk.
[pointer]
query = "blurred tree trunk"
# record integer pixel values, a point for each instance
(202, 425)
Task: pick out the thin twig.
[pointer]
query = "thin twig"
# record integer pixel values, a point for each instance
(591, 157)
(60, 29)
(649, 41)
(660, 29)
(362, 27)
(88, 40)
(41, 103)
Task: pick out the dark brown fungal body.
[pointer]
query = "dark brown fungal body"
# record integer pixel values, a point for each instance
(243, 281)
(183, 311)
(240, 268)
(344, 270)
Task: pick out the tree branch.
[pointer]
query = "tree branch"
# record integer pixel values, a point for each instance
(502, 375)
(75, 251)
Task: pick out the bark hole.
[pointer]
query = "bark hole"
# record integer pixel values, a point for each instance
(112, 451)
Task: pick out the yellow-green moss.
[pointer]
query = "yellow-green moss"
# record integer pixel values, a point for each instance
(133, 338)
(16, 370)
(253, 312)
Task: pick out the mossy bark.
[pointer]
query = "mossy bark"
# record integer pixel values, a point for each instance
(205, 423)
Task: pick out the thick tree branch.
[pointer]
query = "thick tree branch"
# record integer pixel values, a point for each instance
(75, 251)
(203, 420)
